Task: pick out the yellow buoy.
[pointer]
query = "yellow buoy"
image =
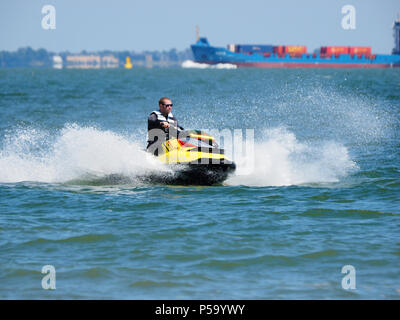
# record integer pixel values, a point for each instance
(128, 64)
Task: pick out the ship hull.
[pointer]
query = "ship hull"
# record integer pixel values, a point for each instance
(304, 65)
(203, 52)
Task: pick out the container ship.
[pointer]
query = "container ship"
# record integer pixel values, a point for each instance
(288, 56)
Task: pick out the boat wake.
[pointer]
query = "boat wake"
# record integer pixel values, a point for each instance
(194, 65)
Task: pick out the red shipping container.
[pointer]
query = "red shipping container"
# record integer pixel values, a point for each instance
(295, 49)
(366, 51)
(337, 50)
(279, 49)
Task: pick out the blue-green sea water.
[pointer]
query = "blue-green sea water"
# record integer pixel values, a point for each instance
(322, 190)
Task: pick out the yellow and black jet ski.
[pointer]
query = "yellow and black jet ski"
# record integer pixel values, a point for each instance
(196, 159)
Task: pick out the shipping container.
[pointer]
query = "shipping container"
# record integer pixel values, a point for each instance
(279, 49)
(329, 51)
(295, 49)
(254, 48)
(359, 51)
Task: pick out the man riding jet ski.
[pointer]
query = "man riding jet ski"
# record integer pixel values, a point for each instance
(194, 154)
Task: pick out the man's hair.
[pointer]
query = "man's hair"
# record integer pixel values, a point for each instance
(161, 101)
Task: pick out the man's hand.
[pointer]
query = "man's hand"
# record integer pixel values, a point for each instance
(165, 124)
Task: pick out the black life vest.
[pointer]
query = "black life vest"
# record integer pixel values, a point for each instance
(170, 118)
(161, 118)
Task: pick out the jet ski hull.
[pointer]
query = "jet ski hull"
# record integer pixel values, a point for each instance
(195, 174)
(195, 159)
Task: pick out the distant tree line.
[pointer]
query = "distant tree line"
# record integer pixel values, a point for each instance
(41, 58)
(26, 57)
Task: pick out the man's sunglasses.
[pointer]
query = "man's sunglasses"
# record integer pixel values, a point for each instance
(167, 105)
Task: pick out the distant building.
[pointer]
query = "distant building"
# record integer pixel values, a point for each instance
(149, 61)
(91, 62)
(109, 62)
(57, 62)
(83, 62)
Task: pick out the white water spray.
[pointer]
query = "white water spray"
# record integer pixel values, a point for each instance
(75, 153)
(87, 154)
(189, 64)
(281, 160)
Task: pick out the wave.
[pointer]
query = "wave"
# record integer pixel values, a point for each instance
(196, 65)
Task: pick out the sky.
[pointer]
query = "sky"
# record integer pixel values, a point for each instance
(165, 24)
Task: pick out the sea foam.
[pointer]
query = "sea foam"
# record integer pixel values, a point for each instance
(196, 65)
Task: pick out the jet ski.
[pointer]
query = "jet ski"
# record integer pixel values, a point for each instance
(195, 159)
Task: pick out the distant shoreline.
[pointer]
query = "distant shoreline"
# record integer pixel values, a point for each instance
(41, 58)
